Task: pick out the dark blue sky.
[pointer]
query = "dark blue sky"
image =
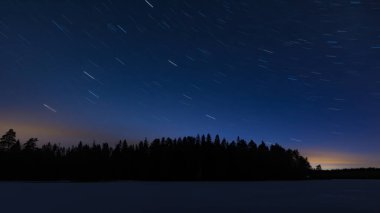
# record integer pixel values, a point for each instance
(305, 74)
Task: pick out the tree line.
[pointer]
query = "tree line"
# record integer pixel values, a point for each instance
(165, 159)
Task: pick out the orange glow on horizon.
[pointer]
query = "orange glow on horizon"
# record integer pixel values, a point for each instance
(339, 160)
(54, 133)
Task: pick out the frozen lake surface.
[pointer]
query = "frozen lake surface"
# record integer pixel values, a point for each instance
(125, 197)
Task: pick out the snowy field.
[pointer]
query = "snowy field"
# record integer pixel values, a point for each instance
(303, 196)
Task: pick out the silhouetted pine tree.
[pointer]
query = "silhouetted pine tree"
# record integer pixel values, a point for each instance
(7, 140)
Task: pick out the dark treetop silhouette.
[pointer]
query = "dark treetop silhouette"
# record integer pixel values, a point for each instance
(187, 158)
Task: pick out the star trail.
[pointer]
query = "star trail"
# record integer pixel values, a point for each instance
(305, 74)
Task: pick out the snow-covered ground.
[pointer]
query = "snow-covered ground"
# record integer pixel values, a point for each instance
(125, 197)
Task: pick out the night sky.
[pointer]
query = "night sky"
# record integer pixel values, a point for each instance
(304, 74)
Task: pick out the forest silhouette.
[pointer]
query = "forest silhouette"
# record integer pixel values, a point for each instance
(166, 159)
(187, 158)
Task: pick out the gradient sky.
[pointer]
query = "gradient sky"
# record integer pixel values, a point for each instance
(304, 74)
